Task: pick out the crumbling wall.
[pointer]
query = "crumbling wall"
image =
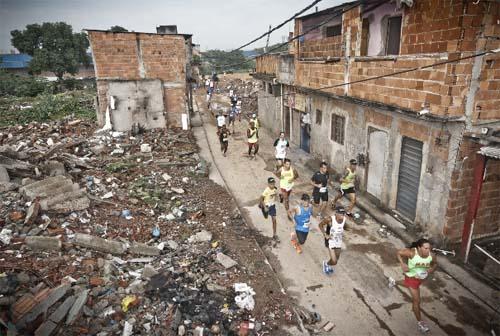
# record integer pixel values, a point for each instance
(142, 56)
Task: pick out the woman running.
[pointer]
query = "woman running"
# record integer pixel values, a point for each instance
(420, 262)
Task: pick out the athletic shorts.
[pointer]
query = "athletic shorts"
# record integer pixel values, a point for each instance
(252, 144)
(271, 211)
(231, 119)
(327, 245)
(317, 196)
(301, 236)
(284, 191)
(411, 282)
(347, 191)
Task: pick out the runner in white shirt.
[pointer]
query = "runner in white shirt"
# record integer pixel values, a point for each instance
(333, 229)
(281, 145)
(221, 120)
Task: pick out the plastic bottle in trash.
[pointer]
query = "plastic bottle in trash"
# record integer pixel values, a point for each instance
(156, 231)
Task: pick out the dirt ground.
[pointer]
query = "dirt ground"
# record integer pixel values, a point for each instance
(356, 298)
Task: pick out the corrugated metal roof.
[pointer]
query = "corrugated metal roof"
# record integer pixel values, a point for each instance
(492, 152)
(14, 61)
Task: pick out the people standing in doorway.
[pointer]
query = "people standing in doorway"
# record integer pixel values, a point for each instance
(267, 203)
(333, 230)
(347, 186)
(253, 140)
(320, 188)
(280, 148)
(224, 139)
(417, 263)
(301, 218)
(287, 175)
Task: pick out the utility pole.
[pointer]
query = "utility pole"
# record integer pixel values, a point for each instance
(267, 42)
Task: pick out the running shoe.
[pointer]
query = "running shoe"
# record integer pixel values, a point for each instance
(325, 267)
(330, 269)
(392, 283)
(422, 327)
(296, 245)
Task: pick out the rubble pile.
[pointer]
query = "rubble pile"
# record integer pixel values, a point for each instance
(123, 233)
(247, 89)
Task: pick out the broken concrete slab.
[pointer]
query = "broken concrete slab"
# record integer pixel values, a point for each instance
(53, 296)
(202, 236)
(16, 167)
(8, 186)
(54, 168)
(77, 306)
(4, 174)
(225, 260)
(99, 244)
(143, 249)
(57, 193)
(148, 271)
(46, 329)
(32, 213)
(61, 311)
(43, 243)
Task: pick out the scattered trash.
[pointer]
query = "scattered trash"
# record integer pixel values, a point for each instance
(244, 299)
(128, 302)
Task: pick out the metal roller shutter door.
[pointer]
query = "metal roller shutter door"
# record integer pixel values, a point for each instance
(409, 177)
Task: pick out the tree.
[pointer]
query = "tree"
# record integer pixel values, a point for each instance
(118, 29)
(53, 46)
(220, 61)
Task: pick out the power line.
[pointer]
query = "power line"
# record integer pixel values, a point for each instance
(279, 26)
(334, 16)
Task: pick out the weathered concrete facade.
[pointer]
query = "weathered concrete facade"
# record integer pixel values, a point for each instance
(128, 64)
(418, 124)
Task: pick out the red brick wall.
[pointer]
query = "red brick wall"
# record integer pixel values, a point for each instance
(488, 215)
(327, 47)
(267, 64)
(136, 56)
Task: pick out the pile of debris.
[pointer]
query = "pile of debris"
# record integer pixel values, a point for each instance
(246, 89)
(123, 233)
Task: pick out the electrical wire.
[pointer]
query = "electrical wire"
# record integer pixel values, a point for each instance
(279, 26)
(334, 16)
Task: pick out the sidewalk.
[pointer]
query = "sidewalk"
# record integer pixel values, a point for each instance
(363, 303)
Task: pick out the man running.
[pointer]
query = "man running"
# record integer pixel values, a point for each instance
(255, 121)
(221, 121)
(420, 262)
(347, 186)
(232, 116)
(333, 230)
(320, 188)
(224, 139)
(267, 203)
(301, 217)
(281, 145)
(287, 175)
(253, 138)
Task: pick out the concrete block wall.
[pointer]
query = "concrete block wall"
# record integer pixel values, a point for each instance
(136, 56)
(488, 215)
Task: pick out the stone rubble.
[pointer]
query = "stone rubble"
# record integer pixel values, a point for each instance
(121, 234)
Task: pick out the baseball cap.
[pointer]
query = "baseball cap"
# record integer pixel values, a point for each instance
(340, 210)
(254, 115)
(353, 162)
(271, 180)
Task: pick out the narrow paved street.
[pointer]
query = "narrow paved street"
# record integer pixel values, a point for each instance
(356, 298)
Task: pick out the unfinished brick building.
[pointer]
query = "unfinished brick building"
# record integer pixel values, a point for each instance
(416, 134)
(142, 78)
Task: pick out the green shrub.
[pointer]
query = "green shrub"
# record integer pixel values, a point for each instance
(23, 86)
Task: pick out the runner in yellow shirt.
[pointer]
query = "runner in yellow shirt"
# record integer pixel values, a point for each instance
(267, 203)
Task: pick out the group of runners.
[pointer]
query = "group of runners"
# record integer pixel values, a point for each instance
(417, 261)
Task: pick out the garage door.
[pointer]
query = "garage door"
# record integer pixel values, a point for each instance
(409, 177)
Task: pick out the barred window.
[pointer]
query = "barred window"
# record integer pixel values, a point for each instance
(337, 129)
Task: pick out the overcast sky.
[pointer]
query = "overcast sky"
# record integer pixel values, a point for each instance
(214, 24)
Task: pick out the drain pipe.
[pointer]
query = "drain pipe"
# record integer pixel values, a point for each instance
(475, 197)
